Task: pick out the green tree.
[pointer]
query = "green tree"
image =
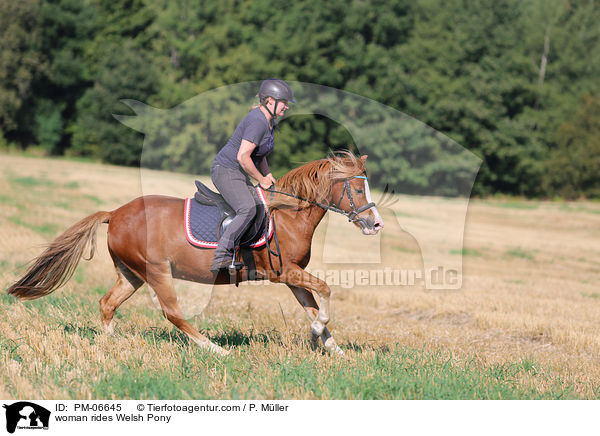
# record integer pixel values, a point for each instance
(66, 27)
(501, 78)
(574, 166)
(21, 63)
(95, 132)
(120, 61)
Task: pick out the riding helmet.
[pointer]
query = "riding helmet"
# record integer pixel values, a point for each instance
(277, 89)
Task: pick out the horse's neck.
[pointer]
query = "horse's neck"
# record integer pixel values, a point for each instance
(303, 222)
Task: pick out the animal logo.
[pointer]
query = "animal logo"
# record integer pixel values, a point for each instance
(26, 415)
(406, 157)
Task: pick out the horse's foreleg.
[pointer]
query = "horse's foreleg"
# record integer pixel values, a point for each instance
(127, 283)
(160, 279)
(296, 276)
(307, 300)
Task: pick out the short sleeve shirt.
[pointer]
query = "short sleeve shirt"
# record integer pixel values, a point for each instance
(254, 128)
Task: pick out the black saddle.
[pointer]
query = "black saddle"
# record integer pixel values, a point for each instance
(209, 197)
(255, 230)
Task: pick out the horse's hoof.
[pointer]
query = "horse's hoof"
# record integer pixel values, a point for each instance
(333, 347)
(110, 328)
(214, 348)
(337, 350)
(222, 352)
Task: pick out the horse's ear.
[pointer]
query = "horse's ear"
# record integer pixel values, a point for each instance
(364, 157)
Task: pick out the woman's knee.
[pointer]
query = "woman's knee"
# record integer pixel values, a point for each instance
(246, 210)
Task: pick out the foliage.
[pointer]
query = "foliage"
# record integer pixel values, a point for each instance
(21, 61)
(95, 132)
(502, 79)
(574, 166)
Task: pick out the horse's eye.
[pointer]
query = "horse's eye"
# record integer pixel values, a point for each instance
(359, 191)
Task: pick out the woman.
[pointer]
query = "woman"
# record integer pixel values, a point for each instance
(245, 156)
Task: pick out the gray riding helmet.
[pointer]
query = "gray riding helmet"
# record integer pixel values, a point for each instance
(277, 89)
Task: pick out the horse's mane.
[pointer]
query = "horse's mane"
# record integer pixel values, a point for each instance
(313, 181)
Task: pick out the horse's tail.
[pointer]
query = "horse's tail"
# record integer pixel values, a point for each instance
(55, 266)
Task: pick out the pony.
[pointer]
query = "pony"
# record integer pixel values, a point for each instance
(147, 244)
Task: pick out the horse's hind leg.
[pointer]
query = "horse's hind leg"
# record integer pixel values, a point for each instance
(160, 279)
(307, 300)
(127, 283)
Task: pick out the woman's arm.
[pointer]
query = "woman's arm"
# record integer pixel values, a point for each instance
(264, 168)
(243, 157)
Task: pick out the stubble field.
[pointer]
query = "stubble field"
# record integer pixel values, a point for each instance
(524, 324)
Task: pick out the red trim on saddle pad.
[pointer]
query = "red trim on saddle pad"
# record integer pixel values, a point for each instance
(213, 244)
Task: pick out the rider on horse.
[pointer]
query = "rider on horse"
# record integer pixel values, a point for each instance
(245, 156)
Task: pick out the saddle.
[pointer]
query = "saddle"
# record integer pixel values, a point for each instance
(208, 214)
(208, 197)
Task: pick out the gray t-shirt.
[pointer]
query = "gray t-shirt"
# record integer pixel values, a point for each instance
(254, 128)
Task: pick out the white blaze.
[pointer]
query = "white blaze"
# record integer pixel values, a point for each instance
(369, 200)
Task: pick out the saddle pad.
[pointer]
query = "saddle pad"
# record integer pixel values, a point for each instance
(202, 221)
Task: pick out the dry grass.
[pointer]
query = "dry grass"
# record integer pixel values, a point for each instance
(529, 294)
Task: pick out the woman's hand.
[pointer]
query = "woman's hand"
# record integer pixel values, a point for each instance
(267, 181)
(271, 178)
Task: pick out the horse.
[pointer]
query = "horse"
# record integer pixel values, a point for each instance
(147, 244)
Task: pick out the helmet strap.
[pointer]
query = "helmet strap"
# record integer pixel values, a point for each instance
(274, 120)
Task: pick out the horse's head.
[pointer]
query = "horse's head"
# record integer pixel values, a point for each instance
(350, 193)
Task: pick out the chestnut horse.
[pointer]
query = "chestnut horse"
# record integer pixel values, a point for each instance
(147, 243)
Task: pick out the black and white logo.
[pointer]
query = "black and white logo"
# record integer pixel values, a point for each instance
(26, 415)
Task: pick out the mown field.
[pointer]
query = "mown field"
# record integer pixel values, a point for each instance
(524, 325)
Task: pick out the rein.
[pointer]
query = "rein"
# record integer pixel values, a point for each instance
(352, 215)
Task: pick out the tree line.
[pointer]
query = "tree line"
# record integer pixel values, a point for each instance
(515, 82)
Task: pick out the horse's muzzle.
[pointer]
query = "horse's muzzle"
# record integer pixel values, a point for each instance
(370, 225)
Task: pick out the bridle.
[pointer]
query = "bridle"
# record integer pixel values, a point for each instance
(355, 211)
(352, 214)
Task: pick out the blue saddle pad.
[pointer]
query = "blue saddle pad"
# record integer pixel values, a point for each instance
(202, 222)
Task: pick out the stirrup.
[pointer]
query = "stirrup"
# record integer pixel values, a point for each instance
(234, 267)
(227, 266)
